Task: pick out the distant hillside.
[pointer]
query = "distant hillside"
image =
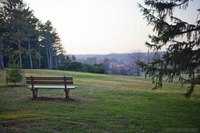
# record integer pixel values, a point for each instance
(123, 63)
(116, 56)
(99, 57)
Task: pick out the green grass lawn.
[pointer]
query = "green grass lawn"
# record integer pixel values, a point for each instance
(102, 103)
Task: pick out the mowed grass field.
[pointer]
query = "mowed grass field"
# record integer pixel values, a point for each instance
(102, 104)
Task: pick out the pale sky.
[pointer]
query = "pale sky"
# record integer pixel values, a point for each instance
(99, 26)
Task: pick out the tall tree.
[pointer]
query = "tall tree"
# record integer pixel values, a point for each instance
(51, 44)
(182, 57)
(57, 50)
(31, 33)
(15, 11)
(45, 31)
(2, 31)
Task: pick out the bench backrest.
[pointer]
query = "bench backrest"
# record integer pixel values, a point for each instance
(66, 80)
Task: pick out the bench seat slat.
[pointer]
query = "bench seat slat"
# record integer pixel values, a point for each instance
(49, 78)
(49, 82)
(52, 87)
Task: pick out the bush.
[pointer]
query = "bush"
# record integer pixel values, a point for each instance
(71, 66)
(77, 66)
(100, 68)
(88, 68)
(14, 74)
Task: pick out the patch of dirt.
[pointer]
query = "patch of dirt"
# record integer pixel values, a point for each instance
(45, 98)
(12, 86)
(32, 74)
(7, 124)
(132, 88)
(115, 82)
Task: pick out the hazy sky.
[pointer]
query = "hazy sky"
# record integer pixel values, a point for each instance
(99, 26)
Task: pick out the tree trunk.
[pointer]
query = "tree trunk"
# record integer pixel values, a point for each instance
(56, 62)
(19, 48)
(190, 91)
(191, 88)
(20, 54)
(47, 54)
(50, 59)
(29, 49)
(39, 60)
(1, 61)
(1, 58)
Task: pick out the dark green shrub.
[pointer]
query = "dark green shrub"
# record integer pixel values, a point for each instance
(100, 68)
(14, 74)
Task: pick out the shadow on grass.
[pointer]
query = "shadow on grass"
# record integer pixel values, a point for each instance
(11, 86)
(45, 98)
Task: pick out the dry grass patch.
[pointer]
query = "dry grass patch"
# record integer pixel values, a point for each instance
(34, 74)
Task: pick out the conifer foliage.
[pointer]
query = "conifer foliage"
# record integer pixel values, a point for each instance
(181, 59)
(25, 39)
(14, 74)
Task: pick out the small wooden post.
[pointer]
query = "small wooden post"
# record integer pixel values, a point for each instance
(33, 89)
(36, 92)
(66, 89)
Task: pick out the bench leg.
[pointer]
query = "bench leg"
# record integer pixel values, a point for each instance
(67, 94)
(34, 91)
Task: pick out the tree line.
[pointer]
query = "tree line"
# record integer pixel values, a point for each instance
(24, 39)
(70, 64)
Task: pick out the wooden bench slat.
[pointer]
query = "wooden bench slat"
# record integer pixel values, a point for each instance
(53, 87)
(49, 78)
(49, 82)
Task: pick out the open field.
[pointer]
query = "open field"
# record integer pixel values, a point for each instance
(102, 103)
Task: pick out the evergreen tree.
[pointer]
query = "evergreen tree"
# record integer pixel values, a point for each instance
(31, 35)
(24, 38)
(15, 16)
(182, 57)
(47, 36)
(14, 74)
(2, 31)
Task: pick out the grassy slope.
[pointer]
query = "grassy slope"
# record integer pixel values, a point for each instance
(104, 103)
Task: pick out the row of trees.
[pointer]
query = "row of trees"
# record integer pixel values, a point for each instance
(70, 64)
(25, 39)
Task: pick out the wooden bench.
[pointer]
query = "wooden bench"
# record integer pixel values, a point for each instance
(36, 83)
